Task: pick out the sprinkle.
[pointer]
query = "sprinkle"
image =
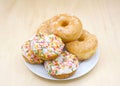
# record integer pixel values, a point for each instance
(51, 43)
(29, 53)
(65, 63)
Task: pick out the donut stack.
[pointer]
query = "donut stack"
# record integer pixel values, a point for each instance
(59, 44)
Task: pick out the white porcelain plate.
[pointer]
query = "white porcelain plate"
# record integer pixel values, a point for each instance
(84, 67)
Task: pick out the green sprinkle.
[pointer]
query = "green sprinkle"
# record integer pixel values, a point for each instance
(49, 71)
(56, 72)
(35, 51)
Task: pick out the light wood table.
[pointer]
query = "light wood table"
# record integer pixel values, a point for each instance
(20, 18)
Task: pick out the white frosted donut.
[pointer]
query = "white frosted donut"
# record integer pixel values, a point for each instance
(62, 67)
(47, 47)
(28, 54)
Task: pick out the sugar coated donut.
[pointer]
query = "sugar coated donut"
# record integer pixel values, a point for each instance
(62, 67)
(84, 47)
(47, 47)
(28, 54)
(69, 28)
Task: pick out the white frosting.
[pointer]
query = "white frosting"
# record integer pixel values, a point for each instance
(46, 45)
(26, 49)
(64, 64)
(28, 53)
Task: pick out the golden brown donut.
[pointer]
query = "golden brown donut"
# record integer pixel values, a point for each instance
(69, 28)
(84, 47)
(44, 28)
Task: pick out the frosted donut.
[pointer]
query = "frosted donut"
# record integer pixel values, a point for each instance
(69, 28)
(84, 47)
(28, 54)
(62, 67)
(47, 47)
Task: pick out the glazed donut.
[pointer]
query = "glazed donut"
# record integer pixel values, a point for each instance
(48, 47)
(69, 28)
(28, 54)
(44, 28)
(84, 47)
(62, 67)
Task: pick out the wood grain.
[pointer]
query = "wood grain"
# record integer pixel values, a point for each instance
(20, 18)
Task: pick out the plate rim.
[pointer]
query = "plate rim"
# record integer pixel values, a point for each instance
(55, 79)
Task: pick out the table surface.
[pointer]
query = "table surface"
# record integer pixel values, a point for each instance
(19, 20)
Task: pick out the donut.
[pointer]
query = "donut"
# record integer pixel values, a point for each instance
(67, 27)
(28, 54)
(48, 47)
(84, 47)
(62, 67)
(44, 28)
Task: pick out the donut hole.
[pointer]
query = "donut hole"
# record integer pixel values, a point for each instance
(64, 23)
(81, 39)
